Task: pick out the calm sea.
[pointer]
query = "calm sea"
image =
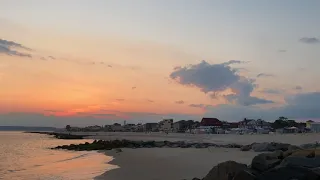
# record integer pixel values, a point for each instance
(26, 156)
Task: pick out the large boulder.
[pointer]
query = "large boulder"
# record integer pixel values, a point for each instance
(159, 144)
(289, 173)
(294, 148)
(260, 147)
(246, 148)
(225, 171)
(280, 146)
(265, 161)
(306, 153)
(296, 161)
(310, 145)
(244, 175)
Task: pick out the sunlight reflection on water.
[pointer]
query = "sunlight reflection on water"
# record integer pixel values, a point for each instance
(27, 156)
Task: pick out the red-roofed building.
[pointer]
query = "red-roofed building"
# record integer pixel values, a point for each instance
(211, 122)
(210, 125)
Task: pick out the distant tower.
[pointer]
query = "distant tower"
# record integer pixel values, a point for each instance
(124, 122)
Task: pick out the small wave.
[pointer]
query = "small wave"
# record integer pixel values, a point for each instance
(73, 158)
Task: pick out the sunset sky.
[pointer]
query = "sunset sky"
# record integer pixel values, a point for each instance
(85, 62)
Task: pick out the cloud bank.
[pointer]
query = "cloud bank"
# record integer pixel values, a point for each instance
(213, 78)
(299, 106)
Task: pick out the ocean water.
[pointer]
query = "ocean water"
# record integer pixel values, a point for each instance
(25, 156)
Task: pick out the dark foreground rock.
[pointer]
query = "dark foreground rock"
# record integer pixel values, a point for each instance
(108, 145)
(293, 164)
(225, 171)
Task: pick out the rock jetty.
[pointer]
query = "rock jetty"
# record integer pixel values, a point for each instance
(60, 135)
(113, 144)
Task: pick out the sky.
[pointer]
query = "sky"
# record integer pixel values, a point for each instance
(83, 62)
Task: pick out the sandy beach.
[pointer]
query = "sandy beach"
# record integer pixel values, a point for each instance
(182, 163)
(169, 163)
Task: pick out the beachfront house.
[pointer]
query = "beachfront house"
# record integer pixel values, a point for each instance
(248, 124)
(129, 127)
(95, 128)
(150, 127)
(308, 124)
(74, 129)
(166, 125)
(116, 127)
(184, 125)
(210, 125)
(251, 125)
(315, 127)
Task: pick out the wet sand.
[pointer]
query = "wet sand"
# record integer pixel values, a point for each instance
(169, 163)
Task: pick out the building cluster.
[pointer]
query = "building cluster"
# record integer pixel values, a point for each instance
(206, 125)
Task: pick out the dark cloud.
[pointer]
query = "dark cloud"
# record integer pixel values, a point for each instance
(109, 66)
(242, 91)
(11, 48)
(207, 77)
(43, 58)
(309, 40)
(298, 88)
(133, 87)
(150, 101)
(299, 106)
(213, 78)
(264, 75)
(203, 106)
(179, 102)
(233, 62)
(8, 51)
(12, 44)
(271, 91)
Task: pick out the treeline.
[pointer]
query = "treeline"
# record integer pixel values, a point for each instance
(283, 122)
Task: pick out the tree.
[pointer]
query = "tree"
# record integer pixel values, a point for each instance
(282, 118)
(68, 127)
(283, 122)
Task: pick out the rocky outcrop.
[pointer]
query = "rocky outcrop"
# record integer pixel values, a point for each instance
(108, 145)
(266, 161)
(68, 136)
(60, 135)
(225, 171)
(292, 164)
(261, 147)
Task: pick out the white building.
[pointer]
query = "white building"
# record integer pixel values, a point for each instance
(315, 127)
(166, 125)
